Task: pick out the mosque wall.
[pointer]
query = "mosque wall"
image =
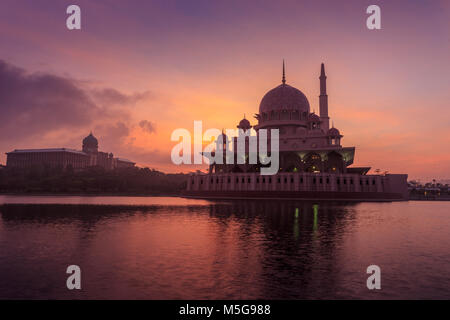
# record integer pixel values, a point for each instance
(294, 184)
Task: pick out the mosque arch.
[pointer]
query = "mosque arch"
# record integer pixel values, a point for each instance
(313, 162)
(335, 163)
(273, 115)
(291, 162)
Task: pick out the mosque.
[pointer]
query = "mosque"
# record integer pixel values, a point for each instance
(89, 156)
(313, 162)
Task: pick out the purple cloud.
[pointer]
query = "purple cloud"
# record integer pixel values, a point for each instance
(35, 104)
(147, 126)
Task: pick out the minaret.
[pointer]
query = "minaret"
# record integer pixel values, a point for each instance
(283, 79)
(323, 100)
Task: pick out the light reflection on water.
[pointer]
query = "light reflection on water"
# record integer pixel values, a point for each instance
(172, 248)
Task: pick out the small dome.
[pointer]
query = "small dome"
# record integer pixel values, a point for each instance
(284, 97)
(313, 117)
(244, 124)
(90, 144)
(90, 140)
(333, 132)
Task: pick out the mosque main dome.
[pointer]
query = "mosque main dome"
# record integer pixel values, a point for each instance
(284, 97)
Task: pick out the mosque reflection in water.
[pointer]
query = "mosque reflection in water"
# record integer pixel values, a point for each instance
(287, 218)
(299, 245)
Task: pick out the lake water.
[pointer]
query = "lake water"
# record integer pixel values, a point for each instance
(174, 248)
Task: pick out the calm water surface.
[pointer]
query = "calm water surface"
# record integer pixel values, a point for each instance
(174, 248)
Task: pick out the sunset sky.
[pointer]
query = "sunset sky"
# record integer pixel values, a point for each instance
(137, 70)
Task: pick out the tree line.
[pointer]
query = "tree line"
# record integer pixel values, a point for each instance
(93, 180)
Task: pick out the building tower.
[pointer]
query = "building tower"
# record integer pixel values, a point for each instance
(323, 100)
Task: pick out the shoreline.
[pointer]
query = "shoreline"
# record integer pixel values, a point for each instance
(161, 195)
(90, 194)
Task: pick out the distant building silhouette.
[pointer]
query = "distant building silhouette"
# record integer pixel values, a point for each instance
(64, 157)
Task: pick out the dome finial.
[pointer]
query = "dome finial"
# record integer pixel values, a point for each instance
(284, 74)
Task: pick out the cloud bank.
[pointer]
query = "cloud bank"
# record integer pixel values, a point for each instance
(36, 105)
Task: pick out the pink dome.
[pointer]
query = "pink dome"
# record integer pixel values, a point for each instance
(313, 117)
(284, 97)
(244, 124)
(333, 132)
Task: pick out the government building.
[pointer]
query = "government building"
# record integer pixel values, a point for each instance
(63, 158)
(313, 162)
